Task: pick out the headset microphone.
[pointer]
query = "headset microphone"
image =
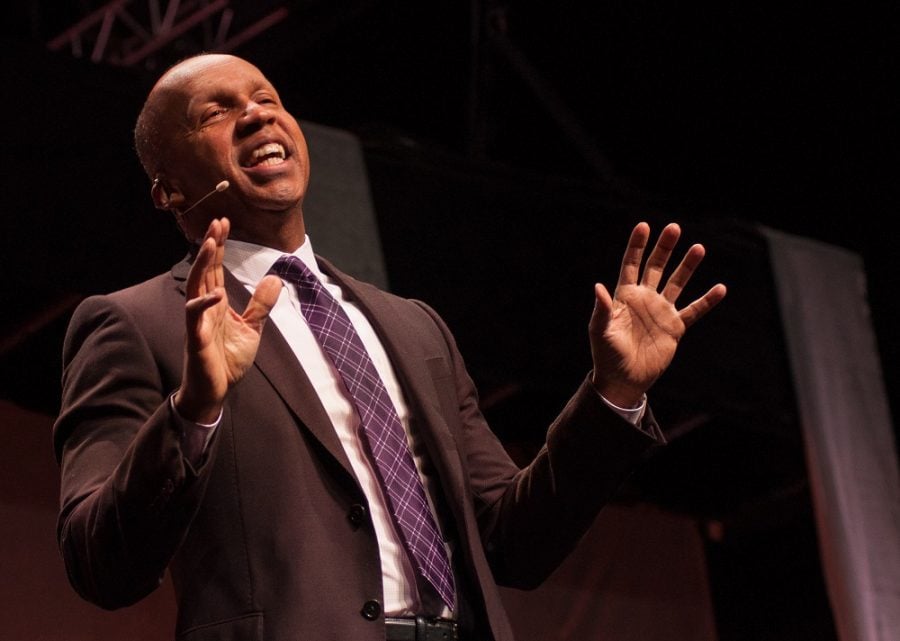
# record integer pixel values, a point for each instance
(222, 186)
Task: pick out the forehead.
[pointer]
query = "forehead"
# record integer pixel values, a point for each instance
(207, 77)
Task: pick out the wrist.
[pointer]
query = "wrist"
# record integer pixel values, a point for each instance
(190, 408)
(619, 394)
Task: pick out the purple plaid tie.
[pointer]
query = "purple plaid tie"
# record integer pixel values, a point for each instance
(383, 431)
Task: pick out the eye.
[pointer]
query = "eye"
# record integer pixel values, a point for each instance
(266, 99)
(212, 114)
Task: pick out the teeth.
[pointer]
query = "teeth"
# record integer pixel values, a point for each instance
(270, 153)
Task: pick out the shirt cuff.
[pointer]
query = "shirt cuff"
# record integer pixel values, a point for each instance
(633, 415)
(195, 437)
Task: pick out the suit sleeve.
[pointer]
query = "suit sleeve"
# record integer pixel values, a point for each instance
(531, 518)
(127, 492)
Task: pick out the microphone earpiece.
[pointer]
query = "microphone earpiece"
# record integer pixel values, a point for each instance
(222, 186)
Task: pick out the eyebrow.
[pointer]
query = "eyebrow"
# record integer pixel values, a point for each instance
(224, 95)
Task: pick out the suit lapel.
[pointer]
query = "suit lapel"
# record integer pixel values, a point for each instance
(278, 365)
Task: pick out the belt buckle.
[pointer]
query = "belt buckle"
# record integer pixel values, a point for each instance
(436, 629)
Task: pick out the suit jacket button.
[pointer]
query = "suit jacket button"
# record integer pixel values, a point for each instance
(371, 610)
(357, 515)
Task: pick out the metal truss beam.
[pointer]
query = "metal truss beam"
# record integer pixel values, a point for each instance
(130, 32)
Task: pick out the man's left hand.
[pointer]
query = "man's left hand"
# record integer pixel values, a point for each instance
(635, 332)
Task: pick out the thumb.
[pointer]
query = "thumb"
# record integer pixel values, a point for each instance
(602, 308)
(262, 301)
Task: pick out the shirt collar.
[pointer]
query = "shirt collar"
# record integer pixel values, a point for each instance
(250, 262)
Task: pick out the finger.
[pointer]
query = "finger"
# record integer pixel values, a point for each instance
(698, 309)
(602, 308)
(194, 309)
(219, 273)
(208, 251)
(263, 300)
(214, 276)
(660, 255)
(682, 274)
(634, 253)
(196, 281)
(196, 306)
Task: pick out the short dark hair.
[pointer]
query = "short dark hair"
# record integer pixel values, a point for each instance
(147, 134)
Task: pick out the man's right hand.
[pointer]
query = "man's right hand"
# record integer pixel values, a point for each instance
(220, 344)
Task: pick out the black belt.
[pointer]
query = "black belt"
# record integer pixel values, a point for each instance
(420, 629)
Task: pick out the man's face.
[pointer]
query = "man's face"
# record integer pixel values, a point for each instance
(225, 121)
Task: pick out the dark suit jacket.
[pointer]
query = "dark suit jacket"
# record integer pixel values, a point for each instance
(269, 537)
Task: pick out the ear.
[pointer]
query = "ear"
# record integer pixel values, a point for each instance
(165, 196)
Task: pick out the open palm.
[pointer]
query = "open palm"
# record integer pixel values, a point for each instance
(220, 344)
(635, 333)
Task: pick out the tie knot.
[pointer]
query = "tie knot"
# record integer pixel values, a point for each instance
(293, 270)
(309, 290)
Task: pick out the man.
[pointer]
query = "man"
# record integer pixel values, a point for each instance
(244, 460)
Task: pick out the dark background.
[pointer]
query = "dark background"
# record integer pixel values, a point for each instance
(517, 143)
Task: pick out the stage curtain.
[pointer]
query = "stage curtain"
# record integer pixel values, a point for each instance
(850, 450)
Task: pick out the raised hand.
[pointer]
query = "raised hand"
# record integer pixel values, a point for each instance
(634, 334)
(220, 344)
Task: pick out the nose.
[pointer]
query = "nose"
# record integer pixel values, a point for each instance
(255, 115)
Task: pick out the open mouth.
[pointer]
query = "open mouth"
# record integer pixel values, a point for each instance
(266, 155)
